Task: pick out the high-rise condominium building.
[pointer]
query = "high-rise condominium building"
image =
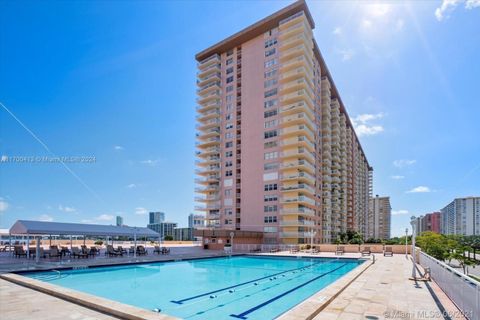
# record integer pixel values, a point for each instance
(276, 149)
(379, 217)
(429, 222)
(196, 221)
(156, 217)
(119, 221)
(461, 217)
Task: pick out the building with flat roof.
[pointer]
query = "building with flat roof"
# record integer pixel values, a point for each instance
(196, 221)
(461, 217)
(163, 228)
(379, 218)
(119, 221)
(277, 152)
(156, 217)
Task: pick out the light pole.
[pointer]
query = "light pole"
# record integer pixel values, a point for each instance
(231, 241)
(413, 222)
(312, 234)
(406, 242)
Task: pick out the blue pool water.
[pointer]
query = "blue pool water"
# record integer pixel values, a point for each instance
(242, 287)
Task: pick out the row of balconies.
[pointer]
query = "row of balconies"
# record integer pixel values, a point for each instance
(298, 153)
(298, 118)
(300, 175)
(301, 187)
(209, 97)
(299, 164)
(298, 199)
(297, 107)
(214, 77)
(299, 141)
(304, 211)
(300, 129)
(294, 223)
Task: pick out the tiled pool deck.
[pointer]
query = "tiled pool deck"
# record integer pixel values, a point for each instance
(377, 291)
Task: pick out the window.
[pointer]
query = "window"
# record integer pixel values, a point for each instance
(228, 173)
(229, 61)
(270, 52)
(270, 166)
(228, 117)
(229, 98)
(270, 219)
(270, 144)
(270, 83)
(270, 155)
(228, 144)
(228, 212)
(228, 192)
(270, 209)
(229, 107)
(270, 197)
(270, 42)
(270, 124)
(228, 164)
(270, 63)
(229, 52)
(271, 113)
(229, 126)
(270, 103)
(270, 187)
(270, 93)
(229, 154)
(230, 79)
(228, 135)
(229, 89)
(229, 70)
(270, 134)
(270, 73)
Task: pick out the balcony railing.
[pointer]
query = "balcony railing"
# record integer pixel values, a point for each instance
(293, 223)
(294, 234)
(295, 199)
(299, 187)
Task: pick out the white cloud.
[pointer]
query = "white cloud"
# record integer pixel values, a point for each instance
(399, 212)
(363, 127)
(419, 189)
(118, 148)
(141, 211)
(403, 163)
(66, 209)
(104, 217)
(45, 217)
(131, 186)
(3, 205)
(397, 177)
(366, 23)
(346, 54)
(151, 162)
(448, 6)
(337, 31)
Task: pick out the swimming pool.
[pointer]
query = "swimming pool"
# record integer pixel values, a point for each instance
(239, 287)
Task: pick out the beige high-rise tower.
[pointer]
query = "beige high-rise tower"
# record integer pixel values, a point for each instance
(276, 149)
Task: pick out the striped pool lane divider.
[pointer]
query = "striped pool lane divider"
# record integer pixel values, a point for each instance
(245, 313)
(244, 283)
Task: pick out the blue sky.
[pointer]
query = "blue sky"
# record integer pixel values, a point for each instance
(116, 81)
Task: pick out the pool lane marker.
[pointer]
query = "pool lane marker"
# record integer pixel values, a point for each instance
(243, 314)
(244, 283)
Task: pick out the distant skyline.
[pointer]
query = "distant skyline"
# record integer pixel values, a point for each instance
(114, 82)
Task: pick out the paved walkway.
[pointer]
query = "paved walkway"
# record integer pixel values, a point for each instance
(17, 302)
(384, 291)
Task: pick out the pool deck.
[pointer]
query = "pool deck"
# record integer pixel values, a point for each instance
(375, 291)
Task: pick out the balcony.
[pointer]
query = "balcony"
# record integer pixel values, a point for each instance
(298, 96)
(301, 26)
(296, 108)
(298, 199)
(292, 64)
(296, 85)
(208, 179)
(298, 118)
(207, 189)
(208, 88)
(208, 142)
(299, 141)
(298, 153)
(301, 187)
(208, 152)
(294, 235)
(297, 130)
(295, 74)
(210, 105)
(290, 21)
(211, 96)
(214, 77)
(300, 164)
(208, 161)
(300, 50)
(213, 113)
(296, 40)
(296, 223)
(215, 206)
(208, 133)
(208, 198)
(214, 59)
(208, 70)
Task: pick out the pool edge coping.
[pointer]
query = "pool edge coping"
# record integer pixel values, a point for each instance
(103, 305)
(312, 306)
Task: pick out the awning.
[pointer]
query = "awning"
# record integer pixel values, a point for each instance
(80, 229)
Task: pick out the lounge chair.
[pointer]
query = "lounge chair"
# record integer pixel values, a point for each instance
(19, 251)
(54, 253)
(141, 250)
(157, 250)
(131, 250)
(112, 252)
(294, 250)
(77, 253)
(40, 251)
(273, 250)
(315, 250)
(165, 250)
(366, 251)
(340, 250)
(120, 249)
(388, 252)
(256, 250)
(65, 251)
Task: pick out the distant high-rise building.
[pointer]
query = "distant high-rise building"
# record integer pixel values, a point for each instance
(156, 217)
(119, 221)
(461, 217)
(379, 216)
(163, 228)
(277, 150)
(196, 221)
(430, 222)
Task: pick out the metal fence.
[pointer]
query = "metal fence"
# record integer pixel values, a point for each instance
(262, 247)
(461, 289)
